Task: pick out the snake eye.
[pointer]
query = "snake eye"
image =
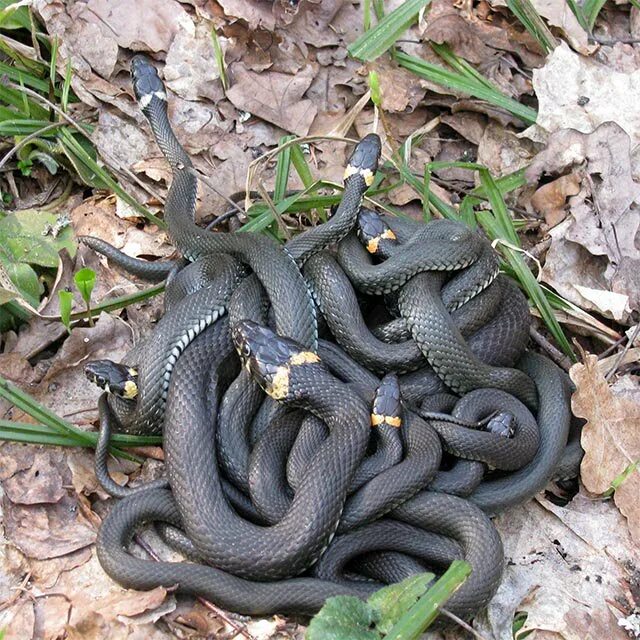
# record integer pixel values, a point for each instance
(246, 350)
(101, 381)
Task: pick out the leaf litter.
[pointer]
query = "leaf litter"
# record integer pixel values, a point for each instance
(571, 568)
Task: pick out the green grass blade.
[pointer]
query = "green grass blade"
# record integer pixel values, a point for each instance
(591, 9)
(533, 23)
(100, 177)
(120, 302)
(121, 439)
(374, 42)
(219, 57)
(528, 281)
(31, 406)
(499, 207)
(301, 165)
(283, 165)
(459, 82)
(422, 614)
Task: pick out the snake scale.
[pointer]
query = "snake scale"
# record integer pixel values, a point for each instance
(293, 472)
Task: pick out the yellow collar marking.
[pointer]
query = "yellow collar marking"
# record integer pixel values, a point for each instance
(304, 357)
(366, 174)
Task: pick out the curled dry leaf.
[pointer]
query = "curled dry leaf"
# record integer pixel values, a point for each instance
(551, 198)
(575, 92)
(604, 219)
(610, 438)
(274, 97)
(564, 566)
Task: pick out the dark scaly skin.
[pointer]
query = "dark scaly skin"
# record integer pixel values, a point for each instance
(151, 271)
(554, 419)
(292, 303)
(220, 535)
(299, 595)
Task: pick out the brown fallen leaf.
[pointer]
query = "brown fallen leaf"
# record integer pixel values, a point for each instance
(610, 439)
(141, 25)
(47, 531)
(191, 70)
(256, 14)
(19, 621)
(502, 152)
(565, 567)
(576, 92)
(551, 198)
(274, 97)
(604, 217)
(40, 483)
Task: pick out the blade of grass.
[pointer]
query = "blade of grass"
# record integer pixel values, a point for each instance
(528, 281)
(122, 439)
(374, 42)
(533, 23)
(591, 9)
(459, 82)
(422, 614)
(31, 406)
(219, 56)
(102, 178)
(283, 165)
(301, 165)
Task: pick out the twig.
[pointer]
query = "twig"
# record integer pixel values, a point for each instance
(209, 605)
(610, 43)
(462, 623)
(556, 355)
(240, 212)
(621, 355)
(611, 348)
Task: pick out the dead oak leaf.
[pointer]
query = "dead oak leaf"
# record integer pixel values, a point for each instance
(551, 199)
(610, 439)
(275, 97)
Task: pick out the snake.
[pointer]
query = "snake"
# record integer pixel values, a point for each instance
(259, 547)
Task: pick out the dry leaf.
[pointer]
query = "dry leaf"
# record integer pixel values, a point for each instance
(141, 25)
(502, 152)
(551, 198)
(559, 14)
(274, 97)
(575, 92)
(604, 216)
(610, 438)
(564, 566)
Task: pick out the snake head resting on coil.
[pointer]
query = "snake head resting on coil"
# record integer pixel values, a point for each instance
(269, 357)
(375, 234)
(387, 405)
(115, 378)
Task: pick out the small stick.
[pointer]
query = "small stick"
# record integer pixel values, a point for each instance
(620, 357)
(555, 354)
(209, 605)
(462, 623)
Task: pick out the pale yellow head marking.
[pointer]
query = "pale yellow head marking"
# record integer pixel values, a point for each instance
(388, 235)
(304, 357)
(392, 421)
(130, 389)
(279, 388)
(367, 174)
(372, 245)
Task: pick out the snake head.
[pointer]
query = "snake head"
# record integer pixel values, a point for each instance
(146, 81)
(502, 424)
(374, 233)
(364, 159)
(387, 408)
(269, 357)
(115, 378)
